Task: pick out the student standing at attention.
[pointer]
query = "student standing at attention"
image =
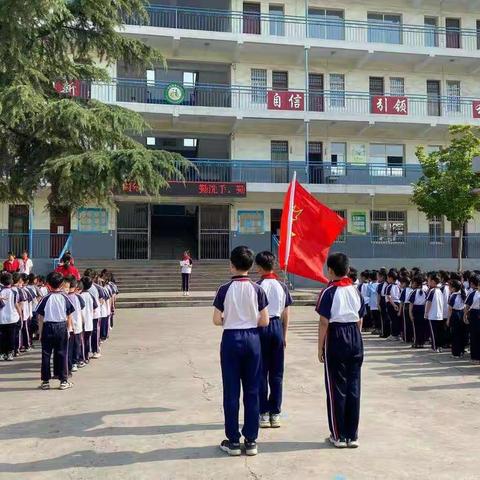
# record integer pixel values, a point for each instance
(340, 348)
(274, 340)
(186, 266)
(240, 307)
(434, 312)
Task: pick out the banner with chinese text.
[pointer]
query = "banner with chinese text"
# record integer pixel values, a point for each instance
(285, 100)
(384, 105)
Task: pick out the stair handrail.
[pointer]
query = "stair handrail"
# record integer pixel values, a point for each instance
(65, 248)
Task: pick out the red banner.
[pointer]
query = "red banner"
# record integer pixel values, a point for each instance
(476, 108)
(384, 105)
(68, 88)
(285, 100)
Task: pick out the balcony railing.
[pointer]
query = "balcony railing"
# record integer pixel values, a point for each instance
(371, 32)
(261, 171)
(346, 104)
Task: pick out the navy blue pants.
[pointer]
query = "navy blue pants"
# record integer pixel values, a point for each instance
(104, 321)
(240, 357)
(419, 325)
(437, 335)
(55, 339)
(385, 319)
(343, 362)
(474, 319)
(273, 355)
(87, 345)
(7, 338)
(394, 319)
(459, 333)
(95, 338)
(407, 326)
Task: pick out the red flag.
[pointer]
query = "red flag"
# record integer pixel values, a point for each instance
(308, 230)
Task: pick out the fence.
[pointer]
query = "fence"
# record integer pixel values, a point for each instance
(39, 245)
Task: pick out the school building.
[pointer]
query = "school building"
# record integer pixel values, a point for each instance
(340, 93)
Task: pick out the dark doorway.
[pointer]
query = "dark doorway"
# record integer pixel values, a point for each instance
(433, 98)
(315, 162)
(174, 229)
(59, 230)
(18, 228)
(251, 18)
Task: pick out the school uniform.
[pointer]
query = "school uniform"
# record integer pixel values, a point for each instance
(76, 352)
(407, 325)
(435, 317)
(25, 331)
(458, 328)
(367, 320)
(55, 308)
(273, 346)
(104, 313)
(418, 298)
(95, 291)
(473, 302)
(241, 302)
(385, 324)
(9, 318)
(342, 305)
(19, 325)
(90, 306)
(392, 294)
(114, 289)
(374, 308)
(445, 289)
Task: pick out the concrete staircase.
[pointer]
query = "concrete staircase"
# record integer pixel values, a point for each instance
(157, 283)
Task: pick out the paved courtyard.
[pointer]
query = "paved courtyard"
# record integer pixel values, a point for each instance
(151, 409)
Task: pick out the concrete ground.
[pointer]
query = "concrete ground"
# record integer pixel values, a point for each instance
(150, 408)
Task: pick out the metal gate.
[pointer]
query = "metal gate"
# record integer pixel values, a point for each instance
(133, 231)
(214, 226)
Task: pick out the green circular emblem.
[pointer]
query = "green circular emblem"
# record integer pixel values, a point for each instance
(174, 93)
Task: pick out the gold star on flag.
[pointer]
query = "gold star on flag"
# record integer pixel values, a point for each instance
(296, 213)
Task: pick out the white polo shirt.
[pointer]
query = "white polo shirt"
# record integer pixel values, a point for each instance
(456, 301)
(393, 292)
(8, 313)
(446, 295)
(277, 294)
(435, 296)
(90, 305)
(418, 297)
(473, 300)
(26, 266)
(78, 305)
(55, 307)
(241, 302)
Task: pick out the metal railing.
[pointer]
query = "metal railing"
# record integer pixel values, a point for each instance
(313, 28)
(66, 247)
(39, 244)
(339, 104)
(261, 171)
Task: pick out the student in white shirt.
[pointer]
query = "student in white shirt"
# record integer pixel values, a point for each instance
(434, 312)
(186, 267)
(373, 304)
(10, 313)
(76, 356)
(90, 306)
(26, 264)
(404, 312)
(392, 294)
(472, 315)
(456, 321)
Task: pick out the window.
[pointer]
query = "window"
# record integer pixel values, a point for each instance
(150, 77)
(384, 28)
(258, 79)
(277, 21)
(452, 32)
(453, 96)
(343, 234)
(279, 156)
(386, 160)
(338, 158)
(326, 24)
(251, 18)
(151, 141)
(315, 162)
(189, 79)
(397, 86)
(431, 31)
(388, 226)
(436, 230)
(189, 142)
(315, 92)
(279, 81)
(337, 90)
(433, 98)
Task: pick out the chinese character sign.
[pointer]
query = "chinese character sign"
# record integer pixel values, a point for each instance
(71, 89)
(384, 105)
(285, 100)
(476, 108)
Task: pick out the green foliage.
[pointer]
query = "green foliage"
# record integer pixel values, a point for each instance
(445, 189)
(81, 148)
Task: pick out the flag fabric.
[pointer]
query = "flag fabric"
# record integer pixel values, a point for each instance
(308, 229)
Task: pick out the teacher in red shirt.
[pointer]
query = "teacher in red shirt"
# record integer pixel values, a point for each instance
(11, 264)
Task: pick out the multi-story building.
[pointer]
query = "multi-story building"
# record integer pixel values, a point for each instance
(341, 94)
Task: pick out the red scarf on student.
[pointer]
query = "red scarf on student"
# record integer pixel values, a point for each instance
(343, 282)
(272, 275)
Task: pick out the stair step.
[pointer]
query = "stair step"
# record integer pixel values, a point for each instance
(191, 303)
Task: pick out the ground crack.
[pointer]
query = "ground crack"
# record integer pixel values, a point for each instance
(251, 473)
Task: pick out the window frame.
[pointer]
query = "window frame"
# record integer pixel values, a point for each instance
(436, 238)
(342, 237)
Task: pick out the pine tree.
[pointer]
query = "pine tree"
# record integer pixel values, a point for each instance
(80, 148)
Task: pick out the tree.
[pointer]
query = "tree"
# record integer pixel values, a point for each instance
(448, 182)
(81, 148)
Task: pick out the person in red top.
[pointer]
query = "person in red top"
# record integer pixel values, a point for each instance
(11, 265)
(66, 267)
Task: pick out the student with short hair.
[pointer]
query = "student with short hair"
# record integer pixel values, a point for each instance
(455, 320)
(472, 317)
(404, 313)
(418, 298)
(373, 304)
(382, 303)
(17, 287)
(90, 306)
(434, 312)
(10, 312)
(97, 293)
(392, 297)
(55, 320)
(240, 308)
(340, 348)
(363, 288)
(273, 339)
(76, 356)
(25, 263)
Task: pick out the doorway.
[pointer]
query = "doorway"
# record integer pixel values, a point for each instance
(18, 228)
(275, 222)
(59, 230)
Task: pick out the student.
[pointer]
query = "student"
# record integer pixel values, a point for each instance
(472, 317)
(186, 267)
(466, 281)
(382, 303)
(418, 298)
(97, 293)
(363, 289)
(11, 264)
(392, 297)
(76, 352)
(456, 321)
(25, 332)
(90, 306)
(273, 340)
(25, 263)
(17, 287)
(241, 307)
(104, 320)
(340, 347)
(404, 313)
(445, 289)
(10, 313)
(373, 304)
(111, 285)
(55, 320)
(434, 312)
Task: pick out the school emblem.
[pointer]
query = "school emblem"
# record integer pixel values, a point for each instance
(174, 93)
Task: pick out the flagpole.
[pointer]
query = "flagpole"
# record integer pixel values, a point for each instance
(291, 206)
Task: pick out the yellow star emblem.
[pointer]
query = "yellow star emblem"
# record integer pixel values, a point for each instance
(296, 213)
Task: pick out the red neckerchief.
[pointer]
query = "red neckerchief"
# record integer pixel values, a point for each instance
(343, 282)
(241, 278)
(270, 275)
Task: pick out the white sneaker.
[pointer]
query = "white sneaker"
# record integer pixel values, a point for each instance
(275, 421)
(9, 357)
(96, 355)
(81, 364)
(265, 420)
(74, 368)
(65, 385)
(352, 444)
(340, 443)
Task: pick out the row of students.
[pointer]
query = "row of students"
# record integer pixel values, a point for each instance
(441, 307)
